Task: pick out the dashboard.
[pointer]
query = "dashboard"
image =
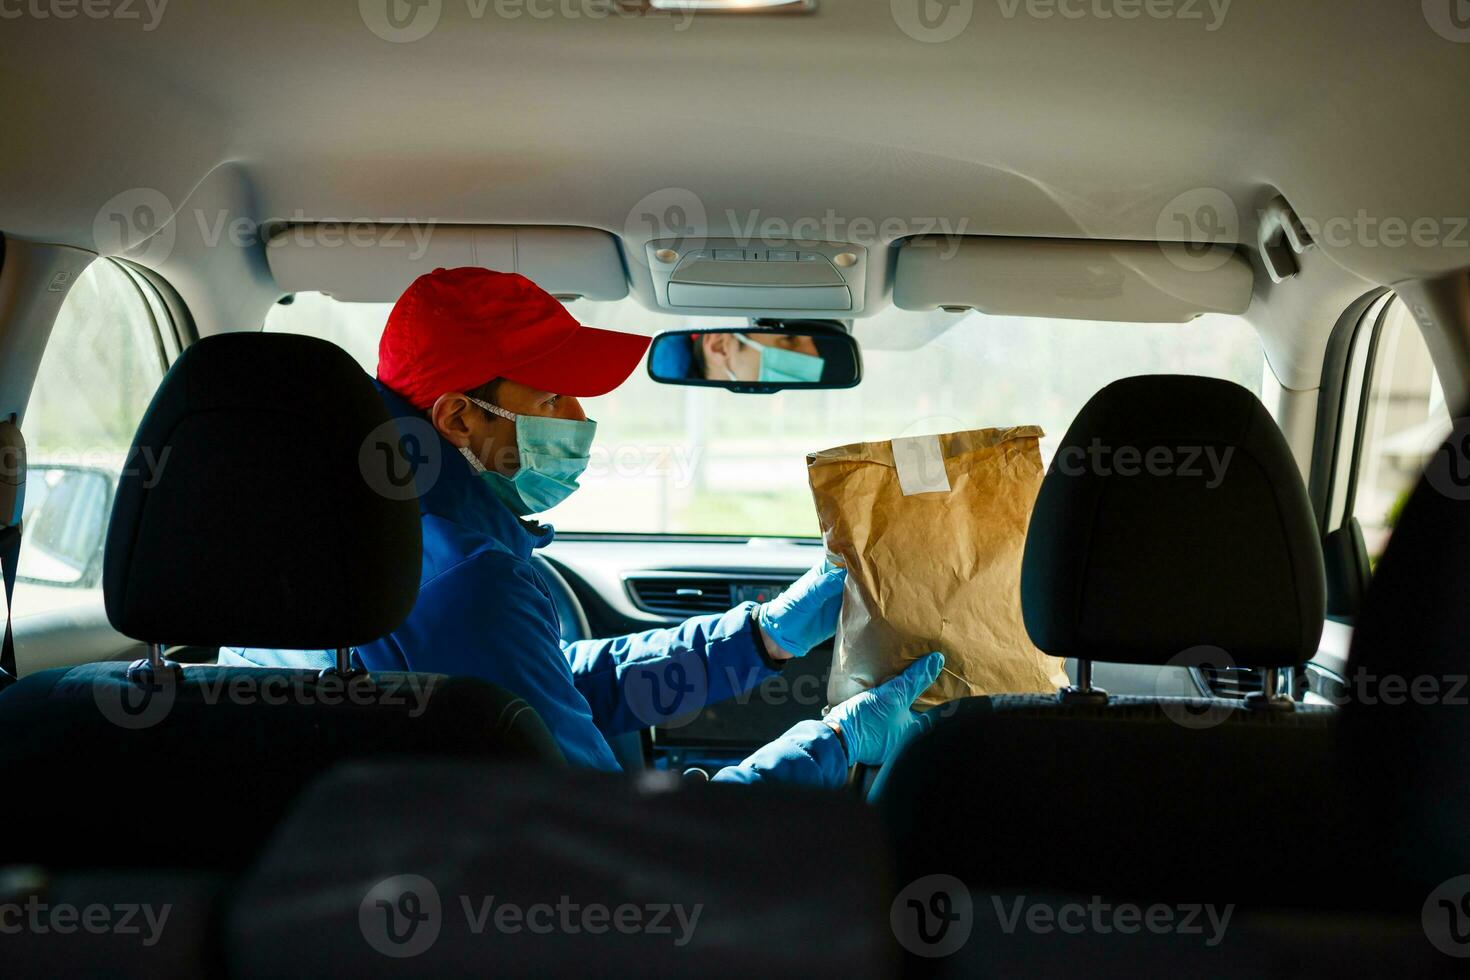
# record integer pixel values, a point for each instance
(625, 584)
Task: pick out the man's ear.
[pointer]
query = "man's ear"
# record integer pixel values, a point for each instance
(719, 344)
(448, 414)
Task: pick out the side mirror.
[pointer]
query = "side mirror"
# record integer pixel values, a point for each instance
(796, 354)
(66, 513)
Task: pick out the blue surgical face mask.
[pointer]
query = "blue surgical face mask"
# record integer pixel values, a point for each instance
(779, 364)
(553, 454)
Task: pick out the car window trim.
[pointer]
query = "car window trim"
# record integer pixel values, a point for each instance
(180, 323)
(1334, 392)
(1360, 428)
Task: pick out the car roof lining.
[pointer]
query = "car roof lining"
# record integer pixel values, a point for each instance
(1019, 126)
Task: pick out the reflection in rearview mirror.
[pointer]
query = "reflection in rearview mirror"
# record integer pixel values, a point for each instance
(800, 354)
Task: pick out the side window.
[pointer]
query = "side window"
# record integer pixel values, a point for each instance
(1394, 421)
(103, 361)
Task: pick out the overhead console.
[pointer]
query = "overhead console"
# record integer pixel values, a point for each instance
(374, 263)
(1129, 282)
(723, 275)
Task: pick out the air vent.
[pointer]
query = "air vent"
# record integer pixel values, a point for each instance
(688, 595)
(1231, 683)
(681, 596)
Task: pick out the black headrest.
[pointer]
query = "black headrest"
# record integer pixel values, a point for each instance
(1407, 717)
(1173, 516)
(248, 512)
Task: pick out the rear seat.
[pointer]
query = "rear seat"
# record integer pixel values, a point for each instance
(1138, 564)
(264, 524)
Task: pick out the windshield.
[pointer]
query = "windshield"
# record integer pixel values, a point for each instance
(705, 461)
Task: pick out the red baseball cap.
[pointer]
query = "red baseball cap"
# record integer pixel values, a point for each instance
(455, 329)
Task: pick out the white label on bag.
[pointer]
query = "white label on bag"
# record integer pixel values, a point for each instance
(920, 465)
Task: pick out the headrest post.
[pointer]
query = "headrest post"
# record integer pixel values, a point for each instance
(343, 668)
(1270, 698)
(153, 667)
(1083, 692)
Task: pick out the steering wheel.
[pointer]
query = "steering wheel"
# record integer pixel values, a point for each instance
(569, 614)
(628, 746)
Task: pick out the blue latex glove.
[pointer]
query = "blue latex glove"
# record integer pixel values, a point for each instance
(806, 613)
(875, 723)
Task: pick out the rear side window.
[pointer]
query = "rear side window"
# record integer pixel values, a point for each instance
(1394, 417)
(103, 361)
(1405, 421)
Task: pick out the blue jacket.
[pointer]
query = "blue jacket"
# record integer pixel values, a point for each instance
(484, 611)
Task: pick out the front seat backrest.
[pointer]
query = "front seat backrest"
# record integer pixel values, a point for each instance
(1173, 516)
(258, 508)
(248, 512)
(1210, 545)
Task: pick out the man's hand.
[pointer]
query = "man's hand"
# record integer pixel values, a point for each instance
(804, 615)
(875, 723)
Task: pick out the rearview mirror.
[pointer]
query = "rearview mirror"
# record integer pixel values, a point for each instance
(66, 514)
(760, 359)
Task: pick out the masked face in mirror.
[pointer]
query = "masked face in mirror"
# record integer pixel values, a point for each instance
(736, 356)
(758, 359)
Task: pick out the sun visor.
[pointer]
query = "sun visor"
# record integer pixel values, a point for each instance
(374, 263)
(1129, 282)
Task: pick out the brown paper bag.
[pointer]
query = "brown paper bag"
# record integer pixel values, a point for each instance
(931, 530)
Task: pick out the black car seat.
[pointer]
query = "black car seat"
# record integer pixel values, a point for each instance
(254, 510)
(1352, 847)
(1173, 518)
(1176, 563)
(1406, 724)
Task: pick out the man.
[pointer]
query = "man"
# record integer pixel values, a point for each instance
(495, 366)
